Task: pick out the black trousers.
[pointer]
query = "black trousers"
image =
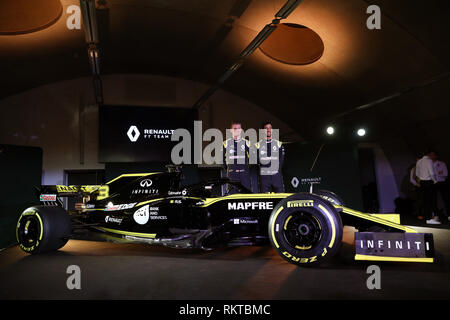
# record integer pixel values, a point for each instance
(429, 200)
(443, 189)
(417, 205)
(271, 183)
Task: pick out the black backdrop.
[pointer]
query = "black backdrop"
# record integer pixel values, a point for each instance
(20, 172)
(337, 166)
(145, 125)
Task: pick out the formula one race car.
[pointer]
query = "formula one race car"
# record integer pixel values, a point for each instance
(304, 228)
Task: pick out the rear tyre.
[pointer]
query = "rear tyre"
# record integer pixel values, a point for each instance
(42, 229)
(305, 229)
(330, 197)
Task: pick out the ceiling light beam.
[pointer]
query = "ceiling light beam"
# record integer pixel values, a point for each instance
(287, 9)
(283, 13)
(91, 34)
(89, 20)
(406, 90)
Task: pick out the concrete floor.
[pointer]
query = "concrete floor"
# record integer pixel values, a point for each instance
(134, 271)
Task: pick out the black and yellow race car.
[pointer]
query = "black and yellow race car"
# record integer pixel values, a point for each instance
(154, 208)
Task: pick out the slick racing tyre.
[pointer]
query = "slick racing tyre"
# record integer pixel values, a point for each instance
(330, 196)
(305, 229)
(42, 229)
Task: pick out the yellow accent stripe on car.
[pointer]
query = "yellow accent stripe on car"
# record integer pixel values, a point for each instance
(210, 201)
(132, 175)
(333, 227)
(77, 188)
(392, 217)
(397, 259)
(149, 201)
(273, 226)
(127, 233)
(370, 217)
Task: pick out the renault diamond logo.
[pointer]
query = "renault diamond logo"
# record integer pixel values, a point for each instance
(295, 182)
(133, 133)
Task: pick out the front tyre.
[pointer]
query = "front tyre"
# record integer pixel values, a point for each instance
(42, 229)
(305, 229)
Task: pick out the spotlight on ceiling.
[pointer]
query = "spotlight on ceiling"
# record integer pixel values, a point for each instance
(361, 132)
(292, 43)
(330, 130)
(25, 16)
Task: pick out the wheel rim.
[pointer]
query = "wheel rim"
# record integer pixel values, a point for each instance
(29, 231)
(302, 230)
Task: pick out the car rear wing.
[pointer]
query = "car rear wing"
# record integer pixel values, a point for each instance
(51, 194)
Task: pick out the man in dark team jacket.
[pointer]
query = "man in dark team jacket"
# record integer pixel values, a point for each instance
(236, 157)
(270, 158)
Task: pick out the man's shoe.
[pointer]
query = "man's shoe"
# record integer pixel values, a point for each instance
(432, 221)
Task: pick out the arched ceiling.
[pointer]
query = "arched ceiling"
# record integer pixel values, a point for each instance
(199, 39)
